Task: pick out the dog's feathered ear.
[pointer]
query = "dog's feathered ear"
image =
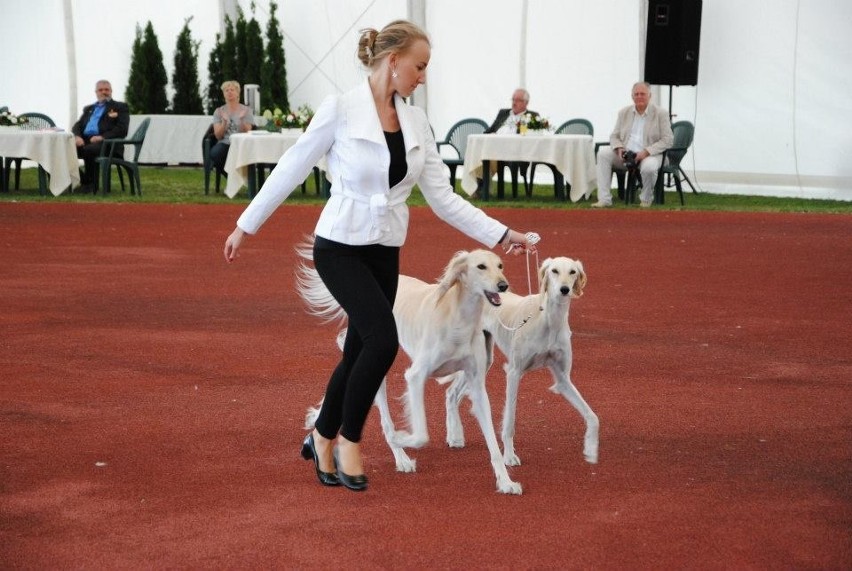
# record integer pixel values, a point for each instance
(577, 290)
(452, 273)
(542, 276)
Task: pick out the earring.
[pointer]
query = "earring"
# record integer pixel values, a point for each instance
(394, 74)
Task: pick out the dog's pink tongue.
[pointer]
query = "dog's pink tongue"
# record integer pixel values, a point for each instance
(494, 298)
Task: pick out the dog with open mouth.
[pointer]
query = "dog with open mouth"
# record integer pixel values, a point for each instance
(440, 328)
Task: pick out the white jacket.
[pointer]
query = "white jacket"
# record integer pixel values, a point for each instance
(362, 208)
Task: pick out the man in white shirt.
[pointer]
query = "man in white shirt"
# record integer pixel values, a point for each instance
(644, 129)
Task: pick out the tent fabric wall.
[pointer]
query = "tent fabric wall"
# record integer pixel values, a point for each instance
(771, 107)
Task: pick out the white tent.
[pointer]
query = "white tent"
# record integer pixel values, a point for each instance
(772, 107)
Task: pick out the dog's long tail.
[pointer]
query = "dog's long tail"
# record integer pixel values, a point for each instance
(318, 300)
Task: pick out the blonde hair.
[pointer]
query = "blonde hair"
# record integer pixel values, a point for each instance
(397, 37)
(230, 83)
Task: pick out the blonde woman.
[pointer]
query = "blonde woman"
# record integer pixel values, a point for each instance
(232, 117)
(377, 148)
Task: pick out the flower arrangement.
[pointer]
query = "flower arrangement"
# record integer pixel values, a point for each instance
(536, 122)
(277, 119)
(7, 119)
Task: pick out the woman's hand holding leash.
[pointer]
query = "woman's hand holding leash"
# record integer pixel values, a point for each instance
(516, 243)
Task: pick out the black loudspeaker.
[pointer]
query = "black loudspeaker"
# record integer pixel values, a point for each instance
(672, 40)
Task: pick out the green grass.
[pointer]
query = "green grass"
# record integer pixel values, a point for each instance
(186, 185)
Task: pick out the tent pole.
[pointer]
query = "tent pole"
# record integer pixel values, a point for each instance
(71, 57)
(417, 15)
(522, 55)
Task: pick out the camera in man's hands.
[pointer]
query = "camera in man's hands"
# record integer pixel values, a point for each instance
(629, 160)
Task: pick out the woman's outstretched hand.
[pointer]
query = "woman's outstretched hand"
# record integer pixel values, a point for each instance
(232, 244)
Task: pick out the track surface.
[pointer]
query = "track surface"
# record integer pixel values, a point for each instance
(152, 400)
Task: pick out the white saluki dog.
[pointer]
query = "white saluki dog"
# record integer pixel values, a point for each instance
(533, 332)
(440, 328)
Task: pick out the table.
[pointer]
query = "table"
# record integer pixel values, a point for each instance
(54, 151)
(171, 139)
(573, 156)
(248, 149)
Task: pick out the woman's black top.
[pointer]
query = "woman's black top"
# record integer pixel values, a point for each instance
(398, 165)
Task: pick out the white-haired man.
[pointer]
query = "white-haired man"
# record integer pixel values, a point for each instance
(644, 129)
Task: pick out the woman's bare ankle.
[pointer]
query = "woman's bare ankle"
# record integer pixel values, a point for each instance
(349, 457)
(325, 452)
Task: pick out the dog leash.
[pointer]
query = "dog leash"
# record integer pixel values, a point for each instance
(532, 239)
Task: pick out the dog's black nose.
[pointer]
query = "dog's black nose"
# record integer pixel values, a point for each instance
(502, 286)
(565, 290)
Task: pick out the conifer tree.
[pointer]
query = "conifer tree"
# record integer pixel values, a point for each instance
(222, 65)
(229, 53)
(156, 101)
(215, 77)
(251, 73)
(133, 95)
(240, 54)
(273, 84)
(146, 86)
(187, 99)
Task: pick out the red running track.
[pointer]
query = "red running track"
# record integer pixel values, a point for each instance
(152, 400)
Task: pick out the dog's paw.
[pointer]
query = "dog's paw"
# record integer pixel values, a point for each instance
(455, 441)
(511, 459)
(408, 465)
(510, 487)
(405, 440)
(403, 462)
(590, 448)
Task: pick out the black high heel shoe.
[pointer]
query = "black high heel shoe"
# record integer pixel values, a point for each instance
(355, 483)
(309, 452)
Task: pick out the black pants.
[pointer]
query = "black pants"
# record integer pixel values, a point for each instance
(218, 156)
(89, 152)
(363, 280)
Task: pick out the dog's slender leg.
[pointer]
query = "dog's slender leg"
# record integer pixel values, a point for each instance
(513, 380)
(482, 411)
(564, 387)
(415, 378)
(455, 431)
(403, 462)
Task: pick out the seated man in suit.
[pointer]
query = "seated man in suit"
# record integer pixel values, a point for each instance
(104, 119)
(509, 121)
(644, 129)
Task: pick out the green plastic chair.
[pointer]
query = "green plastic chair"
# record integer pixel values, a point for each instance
(112, 154)
(206, 144)
(457, 139)
(683, 132)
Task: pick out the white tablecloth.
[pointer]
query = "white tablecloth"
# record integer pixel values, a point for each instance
(171, 139)
(573, 156)
(251, 148)
(53, 150)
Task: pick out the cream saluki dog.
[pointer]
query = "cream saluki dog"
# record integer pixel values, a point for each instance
(533, 332)
(440, 328)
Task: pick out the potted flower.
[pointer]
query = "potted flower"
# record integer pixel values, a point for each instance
(7, 119)
(304, 115)
(277, 120)
(537, 123)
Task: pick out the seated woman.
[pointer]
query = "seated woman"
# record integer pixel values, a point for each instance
(232, 117)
